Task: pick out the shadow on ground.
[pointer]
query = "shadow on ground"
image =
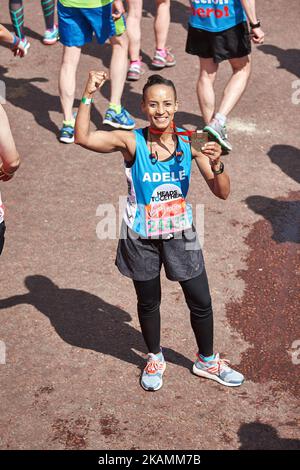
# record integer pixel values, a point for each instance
(23, 94)
(283, 215)
(287, 158)
(288, 59)
(87, 321)
(259, 436)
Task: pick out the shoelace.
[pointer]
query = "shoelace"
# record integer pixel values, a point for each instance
(153, 366)
(68, 131)
(169, 49)
(223, 364)
(220, 364)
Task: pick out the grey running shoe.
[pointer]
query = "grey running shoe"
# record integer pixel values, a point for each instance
(216, 130)
(151, 379)
(219, 370)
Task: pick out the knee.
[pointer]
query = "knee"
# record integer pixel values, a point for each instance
(206, 78)
(120, 42)
(148, 307)
(134, 15)
(166, 3)
(241, 66)
(200, 308)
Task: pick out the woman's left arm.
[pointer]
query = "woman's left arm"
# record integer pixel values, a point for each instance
(212, 169)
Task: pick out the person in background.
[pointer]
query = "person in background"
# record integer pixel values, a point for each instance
(9, 157)
(219, 31)
(9, 163)
(16, 10)
(162, 56)
(12, 40)
(78, 20)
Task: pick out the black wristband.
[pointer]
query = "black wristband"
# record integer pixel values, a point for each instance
(218, 172)
(255, 25)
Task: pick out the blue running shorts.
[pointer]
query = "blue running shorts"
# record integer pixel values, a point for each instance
(77, 25)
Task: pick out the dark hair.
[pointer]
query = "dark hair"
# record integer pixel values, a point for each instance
(158, 80)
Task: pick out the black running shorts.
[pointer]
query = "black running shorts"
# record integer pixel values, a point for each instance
(229, 44)
(141, 259)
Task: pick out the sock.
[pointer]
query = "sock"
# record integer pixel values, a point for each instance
(221, 118)
(69, 123)
(48, 7)
(159, 355)
(16, 12)
(138, 62)
(207, 358)
(162, 52)
(116, 107)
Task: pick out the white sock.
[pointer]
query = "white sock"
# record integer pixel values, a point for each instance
(221, 118)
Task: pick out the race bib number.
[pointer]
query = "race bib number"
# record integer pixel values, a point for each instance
(167, 212)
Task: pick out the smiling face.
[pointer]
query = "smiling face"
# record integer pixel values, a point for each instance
(160, 105)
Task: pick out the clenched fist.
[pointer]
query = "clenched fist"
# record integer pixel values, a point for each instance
(95, 82)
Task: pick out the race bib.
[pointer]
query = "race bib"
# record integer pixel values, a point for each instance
(167, 211)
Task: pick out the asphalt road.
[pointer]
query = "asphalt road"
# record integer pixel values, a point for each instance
(74, 351)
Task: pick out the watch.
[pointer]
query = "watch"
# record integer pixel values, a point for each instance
(255, 25)
(218, 172)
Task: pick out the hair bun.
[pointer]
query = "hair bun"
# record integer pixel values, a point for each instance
(158, 80)
(155, 79)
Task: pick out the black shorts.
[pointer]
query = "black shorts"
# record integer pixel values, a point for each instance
(229, 44)
(2, 232)
(141, 259)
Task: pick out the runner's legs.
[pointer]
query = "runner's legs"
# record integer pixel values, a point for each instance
(205, 88)
(67, 80)
(162, 23)
(118, 67)
(241, 68)
(133, 22)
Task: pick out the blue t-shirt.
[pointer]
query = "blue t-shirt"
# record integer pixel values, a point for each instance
(216, 15)
(156, 201)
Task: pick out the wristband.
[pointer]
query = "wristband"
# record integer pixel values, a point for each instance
(6, 173)
(87, 100)
(255, 25)
(218, 172)
(16, 40)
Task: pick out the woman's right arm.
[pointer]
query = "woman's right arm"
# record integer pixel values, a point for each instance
(100, 141)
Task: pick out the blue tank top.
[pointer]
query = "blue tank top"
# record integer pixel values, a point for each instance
(216, 15)
(156, 201)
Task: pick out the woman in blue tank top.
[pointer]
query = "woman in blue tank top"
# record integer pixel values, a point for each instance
(157, 224)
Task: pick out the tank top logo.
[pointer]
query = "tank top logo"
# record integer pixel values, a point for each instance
(167, 211)
(216, 15)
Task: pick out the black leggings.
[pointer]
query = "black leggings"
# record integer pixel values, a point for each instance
(197, 296)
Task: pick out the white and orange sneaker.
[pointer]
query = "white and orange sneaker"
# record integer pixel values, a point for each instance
(219, 370)
(151, 379)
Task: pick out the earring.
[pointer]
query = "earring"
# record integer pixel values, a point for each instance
(179, 155)
(153, 157)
